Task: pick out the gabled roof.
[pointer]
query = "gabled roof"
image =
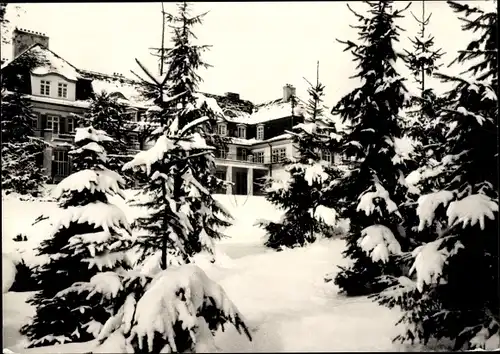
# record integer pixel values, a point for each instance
(53, 63)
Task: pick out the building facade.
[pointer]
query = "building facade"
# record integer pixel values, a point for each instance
(256, 135)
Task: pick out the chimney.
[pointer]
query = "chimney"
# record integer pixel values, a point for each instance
(288, 91)
(22, 39)
(232, 95)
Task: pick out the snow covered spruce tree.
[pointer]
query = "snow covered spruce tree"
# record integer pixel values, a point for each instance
(22, 152)
(184, 59)
(451, 291)
(90, 235)
(107, 114)
(302, 196)
(373, 188)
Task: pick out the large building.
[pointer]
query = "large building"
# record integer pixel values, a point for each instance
(60, 92)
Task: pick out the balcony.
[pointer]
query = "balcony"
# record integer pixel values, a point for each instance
(68, 138)
(49, 135)
(250, 159)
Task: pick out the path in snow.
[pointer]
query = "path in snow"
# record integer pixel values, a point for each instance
(290, 308)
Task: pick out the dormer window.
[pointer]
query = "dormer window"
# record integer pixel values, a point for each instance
(45, 87)
(260, 132)
(222, 129)
(62, 90)
(242, 132)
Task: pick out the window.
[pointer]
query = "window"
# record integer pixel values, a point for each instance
(45, 87)
(62, 90)
(221, 152)
(260, 132)
(131, 115)
(259, 156)
(60, 164)
(134, 140)
(71, 125)
(326, 156)
(222, 129)
(242, 132)
(34, 122)
(52, 124)
(279, 155)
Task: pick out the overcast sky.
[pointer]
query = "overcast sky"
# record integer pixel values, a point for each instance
(257, 47)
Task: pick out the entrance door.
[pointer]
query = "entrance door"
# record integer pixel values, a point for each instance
(241, 182)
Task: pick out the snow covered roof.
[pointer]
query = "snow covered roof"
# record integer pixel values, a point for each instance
(53, 63)
(279, 137)
(112, 84)
(273, 110)
(59, 101)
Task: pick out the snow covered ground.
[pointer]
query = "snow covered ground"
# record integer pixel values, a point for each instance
(283, 296)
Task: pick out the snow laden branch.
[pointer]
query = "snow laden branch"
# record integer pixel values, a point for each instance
(378, 242)
(427, 205)
(179, 311)
(104, 181)
(431, 257)
(430, 260)
(367, 200)
(471, 210)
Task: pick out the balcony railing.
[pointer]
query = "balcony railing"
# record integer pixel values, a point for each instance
(261, 160)
(49, 135)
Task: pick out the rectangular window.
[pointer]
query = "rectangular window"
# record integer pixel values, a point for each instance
(62, 90)
(326, 156)
(221, 153)
(71, 125)
(45, 87)
(259, 156)
(260, 132)
(61, 163)
(279, 155)
(53, 124)
(134, 141)
(243, 154)
(242, 132)
(222, 129)
(34, 122)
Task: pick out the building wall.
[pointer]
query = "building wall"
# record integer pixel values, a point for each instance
(54, 80)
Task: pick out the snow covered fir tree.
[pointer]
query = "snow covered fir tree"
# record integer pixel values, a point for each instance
(106, 113)
(187, 115)
(90, 235)
(22, 152)
(304, 196)
(451, 291)
(184, 60)
(373, 188)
